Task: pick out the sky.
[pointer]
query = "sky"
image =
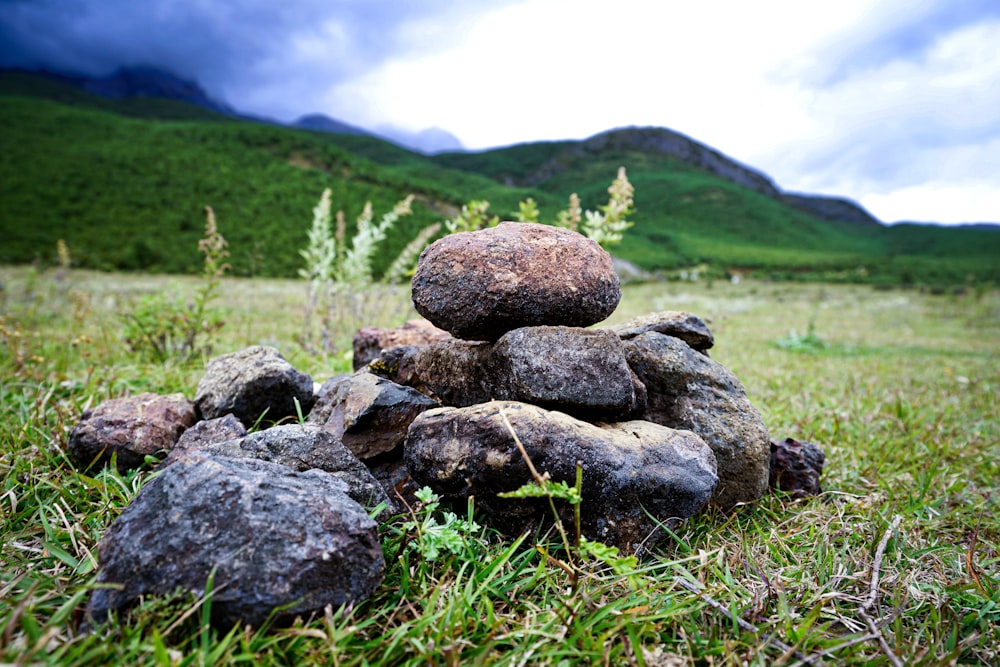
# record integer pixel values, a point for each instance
(892, 103)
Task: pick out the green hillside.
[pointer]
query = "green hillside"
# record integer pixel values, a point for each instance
(124, 183)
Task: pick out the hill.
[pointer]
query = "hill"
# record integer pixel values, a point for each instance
(124, 183)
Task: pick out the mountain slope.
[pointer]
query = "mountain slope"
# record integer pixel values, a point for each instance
(124, 183)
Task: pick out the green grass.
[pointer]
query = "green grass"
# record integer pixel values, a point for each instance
(124, 183)
(901, 394)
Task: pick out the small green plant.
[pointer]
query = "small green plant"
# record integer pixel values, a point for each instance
(434, 537)
(527, 211)
(162, 327)
(576, 547)
(808, 343)
(608, 224)
(473, 217)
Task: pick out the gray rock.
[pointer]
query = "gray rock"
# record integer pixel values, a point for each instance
(368, 413)
(252, 383)
(796, 467)
(454, 371)
(687, 390)
(271, 538)
(579, 371)
(370, 341)
(479, 285)
(305, 447)
(635, 474)
(689, 328)
(205, 433)
(129, 429)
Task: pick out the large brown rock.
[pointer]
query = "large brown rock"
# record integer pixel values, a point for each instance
(687, 390)
(273, 541)
(256, 383)
(130, 429)
(479, 285)
(636, 474)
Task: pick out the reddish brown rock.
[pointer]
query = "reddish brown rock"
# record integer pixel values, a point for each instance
(796, 467)
(480, 285)
(370, 341)
(130, 429)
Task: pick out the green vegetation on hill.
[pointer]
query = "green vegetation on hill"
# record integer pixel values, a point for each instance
(124, 183)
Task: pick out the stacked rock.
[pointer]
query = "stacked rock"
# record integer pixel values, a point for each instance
(512, 376)
(658, 428)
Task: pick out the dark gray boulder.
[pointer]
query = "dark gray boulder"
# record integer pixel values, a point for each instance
(689, 328)
(368, 413)
(129, 429)
(205, 433)
(480, 285)
(253, 383)
(636, 474)
(579, 371)
(305, 447)
(687, 390)
(271, 539)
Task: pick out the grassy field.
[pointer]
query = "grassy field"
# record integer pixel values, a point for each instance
(896, 563)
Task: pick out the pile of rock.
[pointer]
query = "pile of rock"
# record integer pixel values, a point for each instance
(503, 372)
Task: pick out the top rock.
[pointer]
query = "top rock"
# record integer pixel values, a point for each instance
(480, 285)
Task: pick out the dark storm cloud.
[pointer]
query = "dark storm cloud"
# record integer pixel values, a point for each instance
(229, 46)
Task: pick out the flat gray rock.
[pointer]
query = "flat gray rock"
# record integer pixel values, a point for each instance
(689, 328)
(368, 413)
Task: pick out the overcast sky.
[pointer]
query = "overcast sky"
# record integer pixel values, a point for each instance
(893, 103)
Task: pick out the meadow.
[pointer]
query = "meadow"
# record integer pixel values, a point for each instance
(895, 563)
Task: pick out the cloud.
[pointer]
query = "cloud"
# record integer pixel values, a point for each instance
(262, 56)
(928, 118)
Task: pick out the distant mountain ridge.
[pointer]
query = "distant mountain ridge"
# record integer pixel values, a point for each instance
(658, 140)
(154, 82)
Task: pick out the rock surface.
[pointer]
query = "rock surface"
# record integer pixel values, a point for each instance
(689, 328)
(368, 413)
(796, 467)
(370, 341)
(205, 433)
(273, 537)
(579, 371)
(629, 468)
(129, 429)
(687, 390)
(305, 447)
(479, 285)
(254, 382)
